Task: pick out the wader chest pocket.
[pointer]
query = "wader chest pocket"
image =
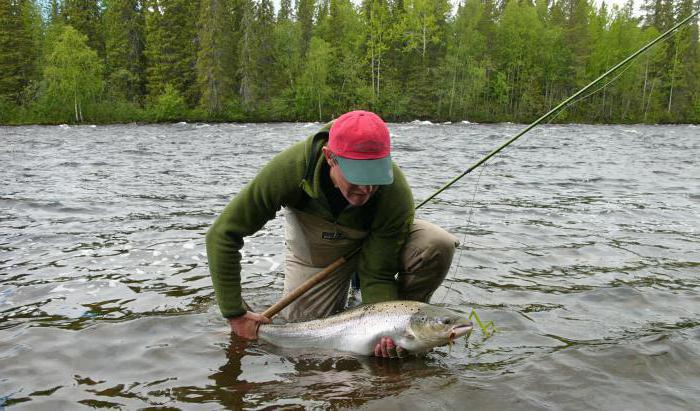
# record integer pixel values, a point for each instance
(327, 235)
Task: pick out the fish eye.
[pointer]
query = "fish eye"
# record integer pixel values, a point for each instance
(445, 320)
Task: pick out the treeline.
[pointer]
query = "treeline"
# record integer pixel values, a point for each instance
(241, 60)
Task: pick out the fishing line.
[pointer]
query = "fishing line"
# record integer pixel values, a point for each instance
(321, 275)
(464, 237)
(561, 105)
(549, 116)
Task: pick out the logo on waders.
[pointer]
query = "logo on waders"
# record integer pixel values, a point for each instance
(335, 235)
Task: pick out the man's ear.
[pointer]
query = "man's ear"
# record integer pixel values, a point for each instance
(327, 154)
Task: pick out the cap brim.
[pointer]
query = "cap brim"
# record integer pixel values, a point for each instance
(367, 172)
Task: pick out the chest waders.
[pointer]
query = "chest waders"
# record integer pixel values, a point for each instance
(313, 243)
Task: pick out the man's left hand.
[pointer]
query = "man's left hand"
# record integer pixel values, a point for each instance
(388, 349)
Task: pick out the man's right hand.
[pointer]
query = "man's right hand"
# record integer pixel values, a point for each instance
(246, 326)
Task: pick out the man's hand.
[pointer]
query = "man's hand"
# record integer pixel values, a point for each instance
(246, 326)
(388, 349)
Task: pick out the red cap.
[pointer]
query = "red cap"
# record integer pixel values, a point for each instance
(359, 135)
(360, 141)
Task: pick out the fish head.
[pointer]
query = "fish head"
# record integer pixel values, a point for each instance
(432, 326)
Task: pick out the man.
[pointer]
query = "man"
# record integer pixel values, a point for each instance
(341, 191)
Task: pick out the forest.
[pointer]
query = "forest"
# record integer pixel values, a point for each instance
(118, 61)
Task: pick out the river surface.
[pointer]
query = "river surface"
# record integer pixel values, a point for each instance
(580, 243)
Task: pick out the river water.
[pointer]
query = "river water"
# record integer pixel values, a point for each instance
(579, 242)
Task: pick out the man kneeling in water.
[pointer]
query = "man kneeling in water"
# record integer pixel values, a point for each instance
(341, 191)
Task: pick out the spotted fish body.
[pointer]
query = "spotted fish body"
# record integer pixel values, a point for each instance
(412, 325)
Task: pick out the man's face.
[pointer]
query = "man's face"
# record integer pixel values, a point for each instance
(355, 194)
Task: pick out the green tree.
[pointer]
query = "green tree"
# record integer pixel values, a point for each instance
(658, 14)
(305, 18)
(171, 47)
(633, 95)
(215, 60)
(73, 74)
(377, 43)
(313, 90)
(86, 17)
(169, 106)
(342, 29)
(124, 40)
(423, 31)
(522, 51)
(684, 66)
(285, 12)
(424, 24)
(20, 36)
(463, 72)
(54, 13)
(287, 61)
(264, 47)
(247, 49)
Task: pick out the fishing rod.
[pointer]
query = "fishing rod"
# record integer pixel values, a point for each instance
(321, 275)
(559, 107)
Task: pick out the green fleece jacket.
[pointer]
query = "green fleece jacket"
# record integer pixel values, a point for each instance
(292, 179)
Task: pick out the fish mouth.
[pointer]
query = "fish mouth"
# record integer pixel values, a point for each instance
(461, 329)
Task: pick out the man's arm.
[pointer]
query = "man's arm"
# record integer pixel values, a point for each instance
(276, 185)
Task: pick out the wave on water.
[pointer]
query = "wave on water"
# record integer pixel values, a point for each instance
(406, 147)
(631, 131)
(585, 258)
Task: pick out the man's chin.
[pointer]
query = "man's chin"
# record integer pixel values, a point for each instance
(357, 201)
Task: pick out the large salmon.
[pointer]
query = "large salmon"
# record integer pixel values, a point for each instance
(414, 326)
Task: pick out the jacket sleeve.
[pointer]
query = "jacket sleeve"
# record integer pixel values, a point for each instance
(276, 185)
(380, 257)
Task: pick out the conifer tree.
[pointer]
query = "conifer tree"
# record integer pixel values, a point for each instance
(86, 17)
(287, 41)
(305, 16)
(247, 68)
(343, 33)
(124, 43)
(684, 66)
(215, 57)
(171, 47)
(264, 59)
(285, 11)
(19, 45)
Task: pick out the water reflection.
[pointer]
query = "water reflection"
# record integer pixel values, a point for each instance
(256, 375)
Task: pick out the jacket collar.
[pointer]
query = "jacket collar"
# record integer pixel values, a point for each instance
(313, 156)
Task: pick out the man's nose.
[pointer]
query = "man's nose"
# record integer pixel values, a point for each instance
(365, 189)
